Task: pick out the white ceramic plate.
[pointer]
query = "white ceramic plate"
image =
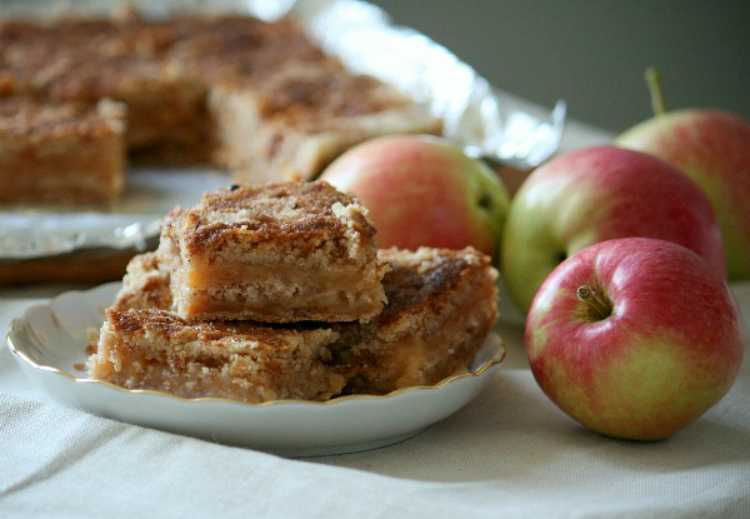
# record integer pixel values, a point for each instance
(49, 343)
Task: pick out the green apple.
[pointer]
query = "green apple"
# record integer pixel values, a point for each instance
(597, 194)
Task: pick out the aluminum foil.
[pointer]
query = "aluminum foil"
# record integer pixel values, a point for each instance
(486, 122)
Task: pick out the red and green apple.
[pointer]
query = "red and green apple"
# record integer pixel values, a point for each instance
(424, 191)
(713, 149)
(634, 338)
(596, 194)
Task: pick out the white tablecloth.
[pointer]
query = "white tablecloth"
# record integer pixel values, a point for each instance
(510, 453)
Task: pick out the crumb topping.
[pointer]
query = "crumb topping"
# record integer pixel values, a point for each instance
(241, 335)
(291, 211)
(146, 283)
(23, 116)
(89, 58)
(415, 277)
(302, 98)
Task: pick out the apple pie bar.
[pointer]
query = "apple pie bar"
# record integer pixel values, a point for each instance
(302, 117)
(237, 360)
(142, 345)
(61, 152)
(279, 253)
(441, 306)
(260, 98)
(84, 60)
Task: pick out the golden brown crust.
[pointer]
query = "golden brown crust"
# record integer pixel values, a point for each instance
(309, 100)
(301, 213)
(416, 278)
(34, 54)
(24, 117)
(413, 282)
(237, 49)
(170, 327)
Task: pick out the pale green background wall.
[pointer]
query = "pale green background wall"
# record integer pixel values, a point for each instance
(592, 52)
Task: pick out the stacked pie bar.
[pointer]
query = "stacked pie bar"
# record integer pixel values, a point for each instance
(279, 292)
(258, 98)
(280, 253)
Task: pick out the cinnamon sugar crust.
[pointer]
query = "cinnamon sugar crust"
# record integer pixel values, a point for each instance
(162, 107)
(26, 117)
(239, 49)
(308, 97)
(304, 213)
(416, 278)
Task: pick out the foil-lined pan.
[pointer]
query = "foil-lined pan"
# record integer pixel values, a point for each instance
(486, 122)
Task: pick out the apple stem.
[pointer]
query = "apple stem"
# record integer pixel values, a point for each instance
(653, 80)
(597, 304)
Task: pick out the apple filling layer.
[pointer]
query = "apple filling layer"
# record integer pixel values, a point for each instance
(229, 274)
(215, 304)
(261, 292)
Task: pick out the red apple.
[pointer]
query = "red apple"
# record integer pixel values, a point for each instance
(634, 338)
(597, 194)
(713, 149)
(422, 190)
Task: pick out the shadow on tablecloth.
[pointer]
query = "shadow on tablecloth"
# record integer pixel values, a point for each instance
(512, 434)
